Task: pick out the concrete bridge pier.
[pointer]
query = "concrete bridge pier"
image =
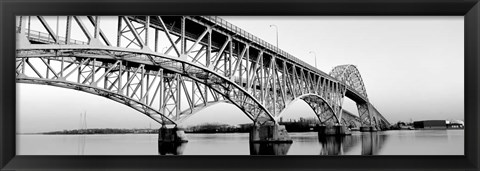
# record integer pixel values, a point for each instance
(171, 140)
(333, 130)
(171, 135)
(269, 132)
(368, 129)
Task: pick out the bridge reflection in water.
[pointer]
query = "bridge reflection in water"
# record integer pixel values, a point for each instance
(269, 148)
(333, 145)
(171, 148)
(367, 143)
(371, 143)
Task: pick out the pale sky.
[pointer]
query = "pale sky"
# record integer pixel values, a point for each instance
(412, 67)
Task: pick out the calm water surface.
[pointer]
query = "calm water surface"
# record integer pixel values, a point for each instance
(408, 142)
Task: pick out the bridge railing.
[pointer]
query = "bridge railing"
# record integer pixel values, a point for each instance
(250, 37)
(46, 38)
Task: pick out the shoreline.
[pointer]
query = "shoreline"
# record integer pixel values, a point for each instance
(212, 132)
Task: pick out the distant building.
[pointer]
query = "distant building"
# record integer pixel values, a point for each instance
(457, 124)
(430, 124)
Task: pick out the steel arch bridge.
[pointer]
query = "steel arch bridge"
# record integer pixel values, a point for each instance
(206, 60)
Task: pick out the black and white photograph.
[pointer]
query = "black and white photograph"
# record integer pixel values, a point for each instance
(240, 85)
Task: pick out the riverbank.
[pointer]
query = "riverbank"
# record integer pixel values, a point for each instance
(103, 131)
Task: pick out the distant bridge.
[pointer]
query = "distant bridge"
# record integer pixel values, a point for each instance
(207, 61)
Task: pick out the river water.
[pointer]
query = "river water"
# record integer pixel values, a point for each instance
(405, 142)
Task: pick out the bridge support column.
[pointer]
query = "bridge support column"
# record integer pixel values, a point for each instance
(368, 129)
(333, 130)
(171, 135)
(269, 132)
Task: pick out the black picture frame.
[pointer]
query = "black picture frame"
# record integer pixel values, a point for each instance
(470, 9)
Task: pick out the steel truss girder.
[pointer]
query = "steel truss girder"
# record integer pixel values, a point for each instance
(219, 64)
(350, 76)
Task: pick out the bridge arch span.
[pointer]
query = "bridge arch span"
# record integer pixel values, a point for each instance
(350, 76)
(173, 73)
(185, 114)
(135, 104)
(320, 107)
(352, 124)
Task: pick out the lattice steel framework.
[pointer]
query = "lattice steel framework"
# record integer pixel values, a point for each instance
(206, 60)
(350, 76)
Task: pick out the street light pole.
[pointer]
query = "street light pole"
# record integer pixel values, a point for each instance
(58, 41)
(315, 58)
(276, 29)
